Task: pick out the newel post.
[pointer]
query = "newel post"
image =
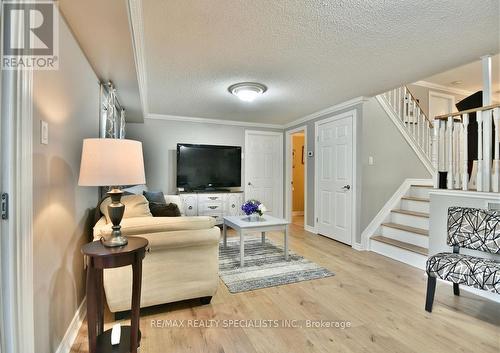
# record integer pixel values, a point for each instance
(465, 152)
(495, 177)
(435, 152)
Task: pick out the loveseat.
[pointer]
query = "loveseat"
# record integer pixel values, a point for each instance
(181, 262)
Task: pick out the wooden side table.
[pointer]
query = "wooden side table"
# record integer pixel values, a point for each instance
(100, 258)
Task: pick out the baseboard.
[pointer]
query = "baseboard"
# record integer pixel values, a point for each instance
(358, 247)
(74, 327)
(480, 293)
(310, 229)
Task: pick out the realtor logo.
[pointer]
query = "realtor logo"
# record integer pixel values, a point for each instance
(30, 35)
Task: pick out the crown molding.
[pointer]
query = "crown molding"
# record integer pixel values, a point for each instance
(211, 121)
(329, 110)
(137, 30)
(449, 89)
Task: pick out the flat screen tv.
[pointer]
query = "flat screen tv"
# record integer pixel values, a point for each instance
(206, 167)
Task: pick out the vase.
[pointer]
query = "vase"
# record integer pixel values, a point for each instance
(254, 217)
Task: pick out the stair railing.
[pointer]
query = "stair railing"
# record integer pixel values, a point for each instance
(451, 155)
(412, 119)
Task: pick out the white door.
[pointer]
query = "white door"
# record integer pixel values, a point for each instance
(264, 169)
(334, 158)
(440, 103)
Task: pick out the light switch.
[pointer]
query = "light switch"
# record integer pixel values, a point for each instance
(44, 132)
(370, 160)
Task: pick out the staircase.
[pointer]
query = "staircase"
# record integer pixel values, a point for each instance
(402, 230)
(417, 129)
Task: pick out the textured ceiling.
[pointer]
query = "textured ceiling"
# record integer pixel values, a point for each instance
(102, 30)
(310, 54)
(470, 76)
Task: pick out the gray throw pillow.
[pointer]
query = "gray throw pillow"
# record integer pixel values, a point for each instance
(154, 196)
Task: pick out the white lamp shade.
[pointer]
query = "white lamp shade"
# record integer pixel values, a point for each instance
(111, 162)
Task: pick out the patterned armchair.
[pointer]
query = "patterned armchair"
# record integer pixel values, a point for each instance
(474, 229)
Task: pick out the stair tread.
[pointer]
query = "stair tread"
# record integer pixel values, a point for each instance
(407, 228)
(422, 186)
(413, 198)
(411, 213)
(401, 244)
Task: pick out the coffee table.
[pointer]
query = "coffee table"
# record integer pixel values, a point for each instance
(242, 225)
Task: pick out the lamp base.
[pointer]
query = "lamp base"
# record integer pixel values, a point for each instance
(116, 210)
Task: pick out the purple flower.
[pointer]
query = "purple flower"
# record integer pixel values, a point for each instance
(251, 206)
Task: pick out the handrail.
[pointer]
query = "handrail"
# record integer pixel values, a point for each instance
(431, 125)
(468, 111)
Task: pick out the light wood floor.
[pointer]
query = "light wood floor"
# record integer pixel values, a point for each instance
(383, 299)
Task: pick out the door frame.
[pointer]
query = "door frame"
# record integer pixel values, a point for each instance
(17, 231)
(441, 95)
(354, 187)
(279, 162)
(289, 171)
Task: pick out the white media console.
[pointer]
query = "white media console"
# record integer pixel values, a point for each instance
(217, 204)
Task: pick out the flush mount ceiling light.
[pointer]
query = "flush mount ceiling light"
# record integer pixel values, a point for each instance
(247, 91)
(456, 83)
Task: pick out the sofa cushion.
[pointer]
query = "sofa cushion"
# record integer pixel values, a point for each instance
(143, 225)
(465, 269)
(154, 196)
(135, 206)
(164, 210)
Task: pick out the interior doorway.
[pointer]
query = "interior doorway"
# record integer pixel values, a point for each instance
(296, 170)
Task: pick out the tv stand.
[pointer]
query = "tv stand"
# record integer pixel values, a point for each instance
(216, 204)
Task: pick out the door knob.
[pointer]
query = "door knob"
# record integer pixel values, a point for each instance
(346, 187)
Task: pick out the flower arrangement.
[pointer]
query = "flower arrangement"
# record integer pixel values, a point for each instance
(253, 207)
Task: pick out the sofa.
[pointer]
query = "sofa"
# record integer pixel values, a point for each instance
(181, 262)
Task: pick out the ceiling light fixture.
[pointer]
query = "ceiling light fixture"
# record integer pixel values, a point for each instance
(456, 83)
(247, 91)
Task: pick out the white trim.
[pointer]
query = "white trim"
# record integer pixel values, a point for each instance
(211, 121)
(335, 108)
(354, 207)
(471, 194)
(73, 328)
(136, 25)
(310, 229)
(432, 85)
(409, 139)
(17, 231)
(278, 162)
(288, 172)
(358, 246)
(385, 211)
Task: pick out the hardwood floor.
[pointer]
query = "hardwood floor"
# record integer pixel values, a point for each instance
(381, 298)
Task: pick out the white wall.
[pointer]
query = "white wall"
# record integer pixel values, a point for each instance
(160, 138)
(441, 200)
(422, 94)
(68, 99)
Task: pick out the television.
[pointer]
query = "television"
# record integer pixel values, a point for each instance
(208, 167)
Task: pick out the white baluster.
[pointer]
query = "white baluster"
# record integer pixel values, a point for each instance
(398, 97)
(495, 177)
(465, 152)
(487, 144)
(449, 142)
(457, 155)
(435, 152)
(417, 121)
(479, 177)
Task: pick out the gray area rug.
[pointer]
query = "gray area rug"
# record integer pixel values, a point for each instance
(265, 266)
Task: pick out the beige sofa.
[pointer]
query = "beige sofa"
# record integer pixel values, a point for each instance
(182, 262)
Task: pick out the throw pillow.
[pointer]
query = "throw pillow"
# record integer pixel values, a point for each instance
(154, 196)
(164, 210)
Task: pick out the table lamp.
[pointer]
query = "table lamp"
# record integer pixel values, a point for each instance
(114, 163)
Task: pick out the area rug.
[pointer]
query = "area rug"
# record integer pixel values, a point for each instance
(265, 266)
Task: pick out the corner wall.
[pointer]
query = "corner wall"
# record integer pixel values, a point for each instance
(68, 99)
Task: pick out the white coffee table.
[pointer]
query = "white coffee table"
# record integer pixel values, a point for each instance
(243, 225)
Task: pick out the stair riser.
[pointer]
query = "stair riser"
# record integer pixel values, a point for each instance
(407, 237)
(416, 206)
(419, 192)
(402, 255)
(409, 220)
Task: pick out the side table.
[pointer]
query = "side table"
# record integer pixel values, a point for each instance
(100, 258)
